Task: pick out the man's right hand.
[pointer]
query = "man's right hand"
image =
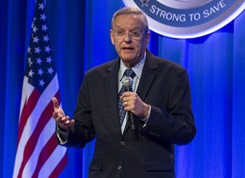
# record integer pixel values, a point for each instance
(60, 118)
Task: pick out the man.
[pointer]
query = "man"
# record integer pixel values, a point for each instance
(159, 113)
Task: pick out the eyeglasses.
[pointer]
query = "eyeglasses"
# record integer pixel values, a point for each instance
(134, 34)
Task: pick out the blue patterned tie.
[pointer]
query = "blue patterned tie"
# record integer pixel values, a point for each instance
(128, 73)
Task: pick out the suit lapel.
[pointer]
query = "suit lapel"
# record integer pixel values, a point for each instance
(111, 83)
(148, 75)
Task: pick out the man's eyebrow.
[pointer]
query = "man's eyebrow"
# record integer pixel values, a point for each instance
(133, 28)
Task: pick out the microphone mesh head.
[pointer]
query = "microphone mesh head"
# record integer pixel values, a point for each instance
(127, 82)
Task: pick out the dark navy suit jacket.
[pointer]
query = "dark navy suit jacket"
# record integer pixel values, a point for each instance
(148, 152)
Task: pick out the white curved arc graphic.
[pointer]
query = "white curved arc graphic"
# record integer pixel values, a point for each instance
(193, 31)
(184, 4)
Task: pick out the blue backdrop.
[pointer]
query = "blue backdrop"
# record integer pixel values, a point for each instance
(79, 32)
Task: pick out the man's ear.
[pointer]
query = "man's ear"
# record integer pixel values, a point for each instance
(112, 36)
(147, 38)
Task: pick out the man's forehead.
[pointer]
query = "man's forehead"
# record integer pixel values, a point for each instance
(131, 16)
(133, 22)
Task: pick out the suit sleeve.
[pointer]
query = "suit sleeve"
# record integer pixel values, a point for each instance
(83, 130)
(175, 122)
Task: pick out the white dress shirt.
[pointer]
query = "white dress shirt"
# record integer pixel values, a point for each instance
(138, 71)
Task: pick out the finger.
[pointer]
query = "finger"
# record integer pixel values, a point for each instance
(55, 103)
(65, 119)
(55, 114)
(69, 122)
(126, 94)
(67, 125)
(125, 103)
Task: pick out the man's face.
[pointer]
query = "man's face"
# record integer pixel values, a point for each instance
(130, 38)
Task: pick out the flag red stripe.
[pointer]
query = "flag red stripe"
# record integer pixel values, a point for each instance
(27, 110)
(56, 172)
(45, 153)
(30, 145)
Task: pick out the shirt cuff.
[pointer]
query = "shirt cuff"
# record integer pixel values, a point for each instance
(146, 119)
(61, 135)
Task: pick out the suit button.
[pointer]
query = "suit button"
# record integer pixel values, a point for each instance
(123, 143)
(119, 167)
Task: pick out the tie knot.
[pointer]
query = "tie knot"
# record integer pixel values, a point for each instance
(129, 73)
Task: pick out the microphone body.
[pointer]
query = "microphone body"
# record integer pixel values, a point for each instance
(127, 84)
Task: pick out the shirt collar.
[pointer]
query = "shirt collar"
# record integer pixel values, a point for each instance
(137, 68)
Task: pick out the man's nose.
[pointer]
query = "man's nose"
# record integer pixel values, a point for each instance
(127, 36)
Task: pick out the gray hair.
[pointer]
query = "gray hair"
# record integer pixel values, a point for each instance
(130, 10)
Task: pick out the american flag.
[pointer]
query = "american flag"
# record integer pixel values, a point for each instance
(38, 153)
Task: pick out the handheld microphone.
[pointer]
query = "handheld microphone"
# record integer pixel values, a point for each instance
(127, 84)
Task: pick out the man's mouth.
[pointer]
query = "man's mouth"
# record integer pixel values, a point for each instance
(127, 49)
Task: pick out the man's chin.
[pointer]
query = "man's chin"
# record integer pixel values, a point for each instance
(128, 56)
(128, 59)
(129, 62)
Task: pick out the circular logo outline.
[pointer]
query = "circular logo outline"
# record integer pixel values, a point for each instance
(177, 20)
